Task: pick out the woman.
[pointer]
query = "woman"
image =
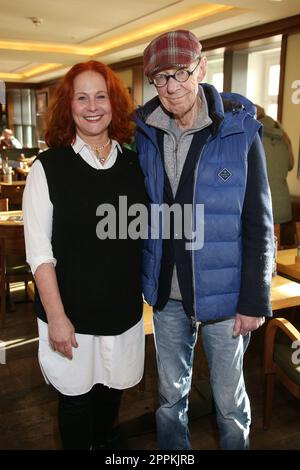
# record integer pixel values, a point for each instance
(89, 302)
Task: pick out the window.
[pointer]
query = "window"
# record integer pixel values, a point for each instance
(263, 79)
(273, 73)
(214, 74)
(217, 80)
(21, 115)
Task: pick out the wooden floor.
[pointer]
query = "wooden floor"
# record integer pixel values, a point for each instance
(28, 406)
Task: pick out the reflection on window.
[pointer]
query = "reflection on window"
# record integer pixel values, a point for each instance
(273, 87)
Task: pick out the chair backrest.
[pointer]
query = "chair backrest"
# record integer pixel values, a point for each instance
(14, 193)
(4, 204)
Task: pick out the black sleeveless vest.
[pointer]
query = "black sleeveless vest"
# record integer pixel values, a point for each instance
(99, 280)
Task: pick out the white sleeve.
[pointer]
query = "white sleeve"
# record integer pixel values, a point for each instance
(37, 215)
(16, 143)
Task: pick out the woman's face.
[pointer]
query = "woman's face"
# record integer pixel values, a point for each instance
(91, 107)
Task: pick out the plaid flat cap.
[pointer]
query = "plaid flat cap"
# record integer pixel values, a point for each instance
(173, 49)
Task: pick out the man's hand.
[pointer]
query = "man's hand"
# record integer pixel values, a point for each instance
(243, 324)
(62, 336)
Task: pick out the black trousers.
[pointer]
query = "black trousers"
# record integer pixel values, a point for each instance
(87, 420)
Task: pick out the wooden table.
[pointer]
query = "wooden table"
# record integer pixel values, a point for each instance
(286, 263)
(284, 293)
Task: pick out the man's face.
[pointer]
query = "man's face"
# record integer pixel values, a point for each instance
(180, 97)
(7, 134)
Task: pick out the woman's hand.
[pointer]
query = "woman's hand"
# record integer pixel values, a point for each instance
(62, 335)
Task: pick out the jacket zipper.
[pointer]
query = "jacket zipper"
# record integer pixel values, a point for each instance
(193, 251)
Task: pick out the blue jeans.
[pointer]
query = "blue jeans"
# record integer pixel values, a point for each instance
(175, 339)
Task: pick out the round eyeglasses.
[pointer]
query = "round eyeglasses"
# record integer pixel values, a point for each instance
(181, 75)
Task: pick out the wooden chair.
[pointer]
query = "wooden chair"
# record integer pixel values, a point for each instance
(4, 205)
(14, 193)
(280, 363)
(12, 262)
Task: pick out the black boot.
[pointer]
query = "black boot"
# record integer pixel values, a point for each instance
(115, 441)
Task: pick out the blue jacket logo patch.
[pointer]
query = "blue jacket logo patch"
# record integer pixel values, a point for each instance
(224, 174)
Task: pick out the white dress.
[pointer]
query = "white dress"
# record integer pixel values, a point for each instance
(115, 361)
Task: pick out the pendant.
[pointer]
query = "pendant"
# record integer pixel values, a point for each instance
(97, 148)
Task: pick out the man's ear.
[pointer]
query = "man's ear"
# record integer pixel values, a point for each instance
(202, 69)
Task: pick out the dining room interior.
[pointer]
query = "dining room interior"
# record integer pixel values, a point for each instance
(252, 48)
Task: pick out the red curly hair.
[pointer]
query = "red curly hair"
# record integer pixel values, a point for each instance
(61, 130)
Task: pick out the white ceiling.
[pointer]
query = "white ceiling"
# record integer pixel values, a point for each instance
(112, 30)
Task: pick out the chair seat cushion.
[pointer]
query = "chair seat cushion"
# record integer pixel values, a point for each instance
(283, 357)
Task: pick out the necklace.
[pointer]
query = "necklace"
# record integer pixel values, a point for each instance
(97, 148)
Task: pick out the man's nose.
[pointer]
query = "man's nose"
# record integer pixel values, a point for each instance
(172, 85)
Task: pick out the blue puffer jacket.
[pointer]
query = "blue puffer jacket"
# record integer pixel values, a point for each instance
(220, 182)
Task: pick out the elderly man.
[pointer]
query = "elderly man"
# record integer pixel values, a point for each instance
(197, 147)
(9, 141)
